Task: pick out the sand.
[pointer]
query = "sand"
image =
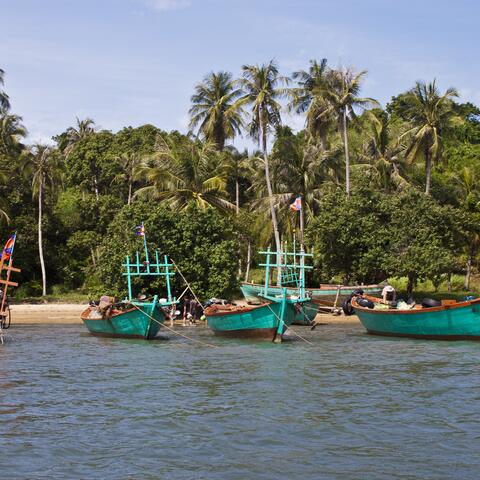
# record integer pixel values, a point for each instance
(63, 313)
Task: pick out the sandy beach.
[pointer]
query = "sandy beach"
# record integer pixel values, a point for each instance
(63, 313)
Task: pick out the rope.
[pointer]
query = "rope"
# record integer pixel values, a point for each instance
(186, 283)
(174, 331)
(290, 328)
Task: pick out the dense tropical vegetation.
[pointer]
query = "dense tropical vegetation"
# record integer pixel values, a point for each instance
(386, 192)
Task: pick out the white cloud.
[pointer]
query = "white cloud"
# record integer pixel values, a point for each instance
(162, 5)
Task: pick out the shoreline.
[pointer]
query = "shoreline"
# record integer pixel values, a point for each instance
(69, 314)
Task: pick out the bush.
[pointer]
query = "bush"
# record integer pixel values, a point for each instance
(201, 242)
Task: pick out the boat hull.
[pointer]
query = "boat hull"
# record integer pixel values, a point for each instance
(450, 322)
(142, 322)
(261, 322)
(305, 313)
(325, 295)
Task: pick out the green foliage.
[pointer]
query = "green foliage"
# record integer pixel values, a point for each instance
(385, 229)
(201, 242)
(371, 236)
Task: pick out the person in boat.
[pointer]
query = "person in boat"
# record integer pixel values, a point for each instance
(105, 306)
(186, 309)
(389, 294)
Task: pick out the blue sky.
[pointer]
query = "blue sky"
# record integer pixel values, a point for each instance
(130, 62)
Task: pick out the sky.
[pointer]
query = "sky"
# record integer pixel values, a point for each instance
(131, 62)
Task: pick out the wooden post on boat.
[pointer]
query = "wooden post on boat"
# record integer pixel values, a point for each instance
(281, 320)
(267, 271)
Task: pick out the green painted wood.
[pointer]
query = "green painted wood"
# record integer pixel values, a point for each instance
(256, 318)
(251, 291)
(305, 313)
(132, 323)
(448, 322)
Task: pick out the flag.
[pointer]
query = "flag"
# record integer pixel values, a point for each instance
(296, 206)
(8, 249)
(140, 230)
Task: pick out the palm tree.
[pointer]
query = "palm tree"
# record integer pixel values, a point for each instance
(42, 163)
(308, 99)
(430, 114)
(83, 129)
(260, 85)
(186, 172)
(11, 132)
(340, 93)
(299, 167)
(383, 151)
(215, 109)
(4, 100)
(129, 164)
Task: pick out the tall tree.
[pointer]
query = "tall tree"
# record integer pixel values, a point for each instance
(341, 95)
(129, 164)
(4, 99)
(430, 114)
(307, 98)
(11, 133)
(42, 164)
(83, 129)
(383, 150)
(215, 109)
(261, 85)
(186, 172)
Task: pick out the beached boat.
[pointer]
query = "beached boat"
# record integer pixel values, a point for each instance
(442, 320)
(133, 318)
(325, 295)
(271, 318)
(266, 321)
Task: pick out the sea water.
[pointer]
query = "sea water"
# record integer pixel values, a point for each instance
(345, 406)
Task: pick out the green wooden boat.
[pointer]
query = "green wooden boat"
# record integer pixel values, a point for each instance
(133, 318)
(449, 321)
(270, 319)
(325, 295)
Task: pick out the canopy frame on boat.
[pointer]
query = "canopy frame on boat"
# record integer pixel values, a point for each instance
(148, 269)
(284, 266)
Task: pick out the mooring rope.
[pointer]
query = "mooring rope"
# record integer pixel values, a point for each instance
(290, 328)
(186, 283)
(174, 331)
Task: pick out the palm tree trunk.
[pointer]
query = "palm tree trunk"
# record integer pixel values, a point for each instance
(410, 284)
(249, 259)
(347, 157)
(468, 273)
(95, 186)
(237, 196)
(40, 240)
(428, 171)
(272, 208)
(129, 201)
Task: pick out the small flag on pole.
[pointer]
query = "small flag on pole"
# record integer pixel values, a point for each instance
(9, 246)
(140, 230)
(296, 206)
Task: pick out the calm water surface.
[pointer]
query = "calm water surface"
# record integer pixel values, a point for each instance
(350, 406)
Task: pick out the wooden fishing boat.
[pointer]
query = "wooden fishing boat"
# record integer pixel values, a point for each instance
(450, 320)
(266, 321)
(271, 318)
(133, 318)
(324, 295)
